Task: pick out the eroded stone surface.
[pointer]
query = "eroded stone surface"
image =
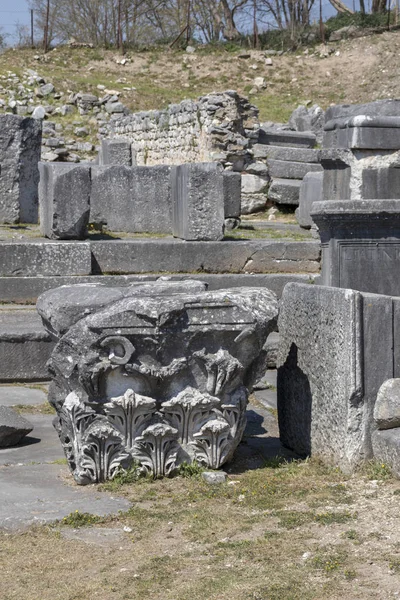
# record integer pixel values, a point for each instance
(158, 379)
(330, 368)
(387, 407)
(13, 427)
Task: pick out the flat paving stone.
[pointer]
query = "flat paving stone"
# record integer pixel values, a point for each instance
(42, 493)
(40, 446)
(13, 395)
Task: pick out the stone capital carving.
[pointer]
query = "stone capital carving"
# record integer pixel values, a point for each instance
(156, 379)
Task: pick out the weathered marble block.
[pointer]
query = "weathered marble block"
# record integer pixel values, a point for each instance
(337, 347)
(20, 145)
(360, 244)
(156, 375)
(117, 152)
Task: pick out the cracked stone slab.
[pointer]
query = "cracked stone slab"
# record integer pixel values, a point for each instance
(43, 493)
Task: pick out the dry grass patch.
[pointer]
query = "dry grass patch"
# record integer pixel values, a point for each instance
(286, 531)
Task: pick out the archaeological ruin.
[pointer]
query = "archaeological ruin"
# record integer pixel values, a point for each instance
(162, 299)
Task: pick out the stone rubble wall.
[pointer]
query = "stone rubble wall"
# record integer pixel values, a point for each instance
(216, 127)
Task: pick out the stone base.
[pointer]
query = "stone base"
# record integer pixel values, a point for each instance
(155, 376)
(337, 348)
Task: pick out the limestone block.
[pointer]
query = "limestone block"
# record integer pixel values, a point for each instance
(387, 407)
(284, 191)
(386, 447)
(13, 427)
(158, 379)
(132, 199)
(291, 170)
(117, 151)
(64, 195)
(38, 258)
(306, 155)
(198, 199)
(20, 147)
(363, 132)
(254, 184)
(283, 137)
(360, 244)
(310, 192)
(166, 255)
(232, 194)
(330, 368)
(25, 346)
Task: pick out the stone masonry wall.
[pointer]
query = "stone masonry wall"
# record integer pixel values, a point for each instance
(216, 127)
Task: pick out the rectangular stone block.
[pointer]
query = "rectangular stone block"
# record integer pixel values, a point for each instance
(117, 151)
(310, 191)
(166, 255)
(132, 199)
(25, 346)
(386, 448)
(337, 166)
(20, 147)
(287, 138)
(379, 108)
(363, 138)
(381, 183)
(284, 191)
(307, 155)
(38, 258)
(64, 196)
(330, 366)
(290, 170)
(232, 194)
(360, 244)
(198, 198)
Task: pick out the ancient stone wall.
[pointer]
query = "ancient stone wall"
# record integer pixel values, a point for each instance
(216, 127)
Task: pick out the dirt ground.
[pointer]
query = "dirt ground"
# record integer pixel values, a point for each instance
(276, 530)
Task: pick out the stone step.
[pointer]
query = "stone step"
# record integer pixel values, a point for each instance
(33, 258)
(25, 346)
(176, 256)
(283, 169)
(22, 290)
(273, 137)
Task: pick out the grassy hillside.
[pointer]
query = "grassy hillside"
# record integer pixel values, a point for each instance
(356, 70)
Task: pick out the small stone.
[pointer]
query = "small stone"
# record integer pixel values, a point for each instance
(387, 406)
(190, 49)
(13, 427)
(50, 156)
(127, 529)
(268, 62)
(213, 477)
(39, 113)
(114, 107)
(45, 90)
(81, 131)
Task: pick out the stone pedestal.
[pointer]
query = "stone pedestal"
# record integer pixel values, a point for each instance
(360, 244)
(158, 377)
(337, 348)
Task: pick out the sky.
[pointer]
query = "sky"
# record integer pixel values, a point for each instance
(17, 11)
(11, 12)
